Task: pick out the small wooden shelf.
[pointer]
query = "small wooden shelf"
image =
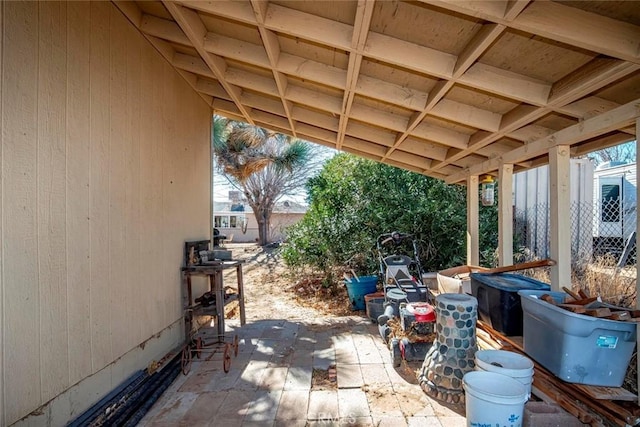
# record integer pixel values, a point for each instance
(214, 272)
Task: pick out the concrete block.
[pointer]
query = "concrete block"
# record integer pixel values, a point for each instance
(542, 414)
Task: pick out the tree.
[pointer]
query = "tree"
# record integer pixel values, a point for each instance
(354, 200)
(264, 165)
(619, 153)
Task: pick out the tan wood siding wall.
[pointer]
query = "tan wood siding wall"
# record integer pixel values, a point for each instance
(104, 172)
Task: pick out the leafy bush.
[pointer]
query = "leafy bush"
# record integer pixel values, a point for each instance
(354, 200)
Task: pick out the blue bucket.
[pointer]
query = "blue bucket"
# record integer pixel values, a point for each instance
(357, 289)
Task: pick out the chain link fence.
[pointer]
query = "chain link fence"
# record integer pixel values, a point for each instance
(596, 231)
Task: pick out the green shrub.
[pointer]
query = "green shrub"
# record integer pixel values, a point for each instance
(354, 200)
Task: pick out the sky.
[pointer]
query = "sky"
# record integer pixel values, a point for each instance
(221, 186)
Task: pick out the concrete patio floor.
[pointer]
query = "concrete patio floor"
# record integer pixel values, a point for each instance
(270, 381)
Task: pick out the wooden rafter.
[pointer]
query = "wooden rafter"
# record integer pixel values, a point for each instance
(431, 87)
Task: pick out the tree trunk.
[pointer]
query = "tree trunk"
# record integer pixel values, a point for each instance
(263, 216)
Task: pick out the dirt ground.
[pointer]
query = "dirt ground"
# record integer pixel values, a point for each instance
(274, 292)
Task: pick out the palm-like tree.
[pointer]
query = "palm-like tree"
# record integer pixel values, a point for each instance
(264, 164)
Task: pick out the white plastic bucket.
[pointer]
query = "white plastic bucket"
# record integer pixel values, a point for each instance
(507, 363)
(493, 399)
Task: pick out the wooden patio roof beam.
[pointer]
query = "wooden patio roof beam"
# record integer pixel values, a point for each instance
(194, 29)
(620, 117)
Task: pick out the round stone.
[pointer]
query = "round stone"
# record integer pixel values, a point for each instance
(456, 315)
(455, 383)
(457, 343)
(461, 354)
(465, 316)
(465, 343)
(446, 331)
(472, 364)
(463, 333)
(458, 373)
(462, 363)
(460, 323)
(451, 307)
(448, 370)
(449, 342)
(469, 308)
(443, 349)
(469, 323)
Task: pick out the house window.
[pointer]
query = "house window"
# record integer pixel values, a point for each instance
(228, 221)
(610, 209)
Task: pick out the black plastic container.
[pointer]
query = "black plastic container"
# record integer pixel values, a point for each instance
(498, 300)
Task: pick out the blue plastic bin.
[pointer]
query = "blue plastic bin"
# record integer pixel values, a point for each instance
(358, 288)
(498, 299)
(575, 347)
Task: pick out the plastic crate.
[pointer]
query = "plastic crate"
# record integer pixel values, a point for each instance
(498, 299)
(576, 348)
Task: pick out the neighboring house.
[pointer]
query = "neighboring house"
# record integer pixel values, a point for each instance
(615, 207)
(236, 220)
(603, 208)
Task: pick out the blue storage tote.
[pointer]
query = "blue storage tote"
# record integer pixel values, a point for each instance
(575, 347)
(498, 299)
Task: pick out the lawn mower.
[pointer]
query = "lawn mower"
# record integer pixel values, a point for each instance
(408, 321)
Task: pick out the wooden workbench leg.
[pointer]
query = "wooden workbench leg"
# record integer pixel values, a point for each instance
(219, 293)
(243, 318)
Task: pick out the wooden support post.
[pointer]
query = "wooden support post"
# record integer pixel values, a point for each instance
(559, 206)
(505, 214)
(473, 235)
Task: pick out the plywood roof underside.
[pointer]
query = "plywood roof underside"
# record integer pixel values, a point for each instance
(444, 88)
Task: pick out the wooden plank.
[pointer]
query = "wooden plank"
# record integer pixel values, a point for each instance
(236, 49)
(598, 312)
(607, 393)
(78, 190)
(308, 27)
(559, 205)
(134, 106)
(467, 115)
(575, 308)
(101, 351)
(473, 234)
(590, 128)
(410, 55)
(572, 294)
(376, 117)
(118, 186)
(505, 215)
(506, 83)
(193, 27)
(311, 70)
(576, 27)
(163, 28)
(51, 213)
(151, 192)
(19, 240)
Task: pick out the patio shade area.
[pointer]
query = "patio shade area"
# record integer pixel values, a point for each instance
(444, 88)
